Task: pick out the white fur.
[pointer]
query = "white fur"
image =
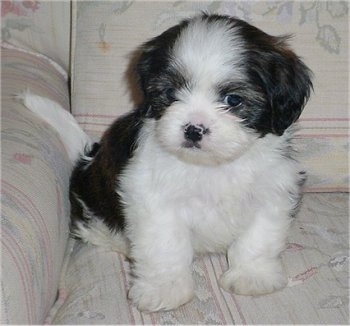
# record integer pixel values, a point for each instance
(73, 137)
(227, 139)
(197, 52)
(97, 233)
(175, 209)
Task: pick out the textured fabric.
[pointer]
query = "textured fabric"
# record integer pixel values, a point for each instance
(95, 287)
(35, 169)
(105, 35)
(41, 26)
(34, 191)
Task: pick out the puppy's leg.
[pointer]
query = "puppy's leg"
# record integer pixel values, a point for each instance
(254, 264)
(162, 254)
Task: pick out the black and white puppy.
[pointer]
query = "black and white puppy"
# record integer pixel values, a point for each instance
(205, 165)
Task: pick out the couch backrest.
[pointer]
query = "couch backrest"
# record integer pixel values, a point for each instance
(38, 26)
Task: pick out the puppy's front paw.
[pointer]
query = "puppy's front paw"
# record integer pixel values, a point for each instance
(254, 278)
(161, 294)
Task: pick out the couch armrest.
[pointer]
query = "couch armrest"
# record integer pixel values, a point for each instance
(34, 191)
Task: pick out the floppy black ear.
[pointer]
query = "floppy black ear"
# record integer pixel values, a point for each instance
(289, 92)
(151, 58)
(284, 78)
(153, 64)
(155, 55)
(145, 65)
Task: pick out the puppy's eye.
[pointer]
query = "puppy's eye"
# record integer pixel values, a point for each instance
(170, 94)
(232, 100)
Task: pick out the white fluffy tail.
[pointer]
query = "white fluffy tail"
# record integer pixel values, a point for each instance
(73, 137)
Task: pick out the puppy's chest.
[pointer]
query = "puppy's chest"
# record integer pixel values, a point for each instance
(214, 218)
(202, 197)
(208, 201)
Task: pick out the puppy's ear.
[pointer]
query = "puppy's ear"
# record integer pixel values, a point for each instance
(155, 56)
(286, 81)
(145, 65)
(290, 92)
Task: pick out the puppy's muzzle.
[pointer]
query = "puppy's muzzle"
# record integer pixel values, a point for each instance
(193, 134)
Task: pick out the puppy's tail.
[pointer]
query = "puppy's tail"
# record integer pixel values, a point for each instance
(73, 137)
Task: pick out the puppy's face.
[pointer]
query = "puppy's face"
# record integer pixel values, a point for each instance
(214, 84)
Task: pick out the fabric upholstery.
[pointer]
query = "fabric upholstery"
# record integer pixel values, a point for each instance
(46, 278)
(34, 191)
(106, 35)
(39, 26)
(95, 287)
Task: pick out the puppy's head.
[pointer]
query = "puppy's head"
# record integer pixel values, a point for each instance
(214, 84)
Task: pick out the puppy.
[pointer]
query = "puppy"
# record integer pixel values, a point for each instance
(204, 165)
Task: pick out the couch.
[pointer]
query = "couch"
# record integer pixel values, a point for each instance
(80, 54)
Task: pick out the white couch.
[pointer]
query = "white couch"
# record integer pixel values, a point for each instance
(78, 54)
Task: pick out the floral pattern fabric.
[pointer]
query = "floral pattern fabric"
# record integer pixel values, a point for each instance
(40, 26)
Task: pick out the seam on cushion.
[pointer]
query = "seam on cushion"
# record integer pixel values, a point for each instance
(62, 291)
(53, 63)
(73, 38)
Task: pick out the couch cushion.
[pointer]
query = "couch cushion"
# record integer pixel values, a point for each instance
(40, 26)
(34, 191)
(105, 34)
(95, 287)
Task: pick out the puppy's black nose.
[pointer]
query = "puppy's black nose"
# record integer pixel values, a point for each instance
(194, 132)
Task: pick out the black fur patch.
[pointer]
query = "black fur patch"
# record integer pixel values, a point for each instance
(95, 182)
(282, 77)
(157, 79)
